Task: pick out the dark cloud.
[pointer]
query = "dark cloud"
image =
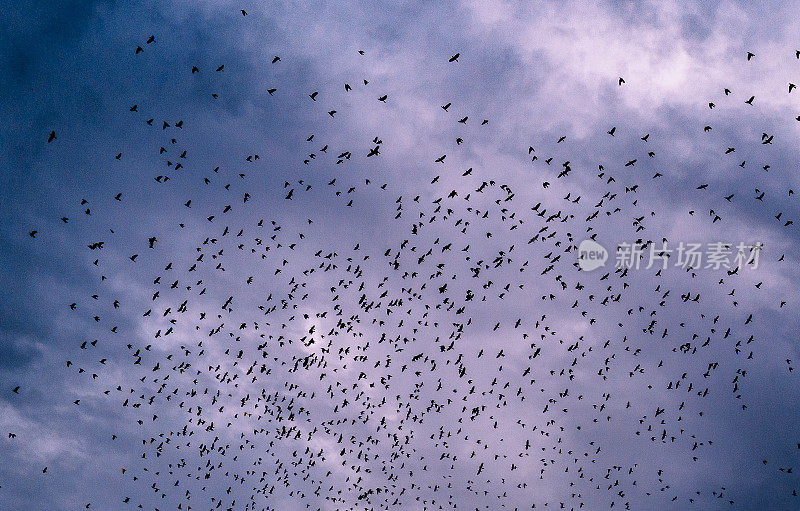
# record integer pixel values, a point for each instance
(536, 74)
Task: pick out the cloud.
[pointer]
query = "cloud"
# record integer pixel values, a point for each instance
(535, 73)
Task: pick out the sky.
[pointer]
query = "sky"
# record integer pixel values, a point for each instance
(536, 72)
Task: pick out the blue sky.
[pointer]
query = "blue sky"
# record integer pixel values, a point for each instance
(307, 267)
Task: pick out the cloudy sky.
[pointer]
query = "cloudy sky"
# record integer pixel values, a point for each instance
(536, 72)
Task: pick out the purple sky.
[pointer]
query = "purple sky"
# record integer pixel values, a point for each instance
(401, 333)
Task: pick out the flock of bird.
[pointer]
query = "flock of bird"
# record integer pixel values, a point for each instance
(459, 359)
